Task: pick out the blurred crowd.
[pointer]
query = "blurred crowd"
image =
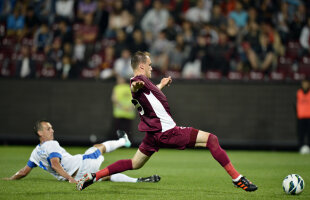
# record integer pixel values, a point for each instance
(211, 39)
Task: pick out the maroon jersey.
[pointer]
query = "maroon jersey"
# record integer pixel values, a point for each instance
(152, 106)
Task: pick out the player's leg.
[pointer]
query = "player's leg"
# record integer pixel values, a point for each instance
(119, 177)
(136, 162)
(112, 145)
(205, 139)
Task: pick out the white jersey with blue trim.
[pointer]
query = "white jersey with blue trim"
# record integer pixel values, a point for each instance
(43, 153)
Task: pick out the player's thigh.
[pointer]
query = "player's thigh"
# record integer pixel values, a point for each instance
(202, 138)
(139, 159)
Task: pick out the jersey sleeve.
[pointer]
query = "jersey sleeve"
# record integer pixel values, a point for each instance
(53, 150)
(133, 79)
(31, 164)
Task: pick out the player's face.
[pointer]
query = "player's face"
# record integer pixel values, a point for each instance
(47, 131)
(148, 67)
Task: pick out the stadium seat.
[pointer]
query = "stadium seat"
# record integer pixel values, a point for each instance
(254, 75)
(293, 49)
(47, 72)
(213, 75)
(277, 76)
(304, 66)
(89, 72)
(173, 74)
(234, 75)
(285, 66)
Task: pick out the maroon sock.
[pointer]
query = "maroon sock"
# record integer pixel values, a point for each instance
(217, 152)
(120, 166)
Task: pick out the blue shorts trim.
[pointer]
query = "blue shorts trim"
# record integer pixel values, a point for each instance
(94, 155)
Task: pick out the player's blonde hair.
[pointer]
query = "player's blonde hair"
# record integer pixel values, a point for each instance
(137, 58)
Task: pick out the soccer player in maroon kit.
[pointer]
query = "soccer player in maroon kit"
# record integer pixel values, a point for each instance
(161, 130)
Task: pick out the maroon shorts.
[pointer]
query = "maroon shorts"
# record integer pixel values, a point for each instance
(177, 138)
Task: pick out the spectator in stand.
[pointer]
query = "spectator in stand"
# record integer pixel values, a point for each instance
(25, 66)
(139, 12)
(198, 15)
(193, 66)
(217, 18)
(121, 42)
(78, 57)
(101, 18)
(172, 29)
(6, 7)
(219, 55)
(44, 10)
(122, 65)
(232, 30)
(239, 15)
(281, 19)
(64, 10)
(86, 7)
(299, 20)
(63, 32)
(266, 10)
(305, 38)
(138, 43)
(160, 50)
(88, 31)
(15, 23)
(106, 69)
(42, 37)
(31, 21)
(252, 15)
(118, 19)
(262, 58)
(188, 32)
(274, 38)
(155, 19)
(178, 54)
(210, 33)
(54, 55)
(65, 68)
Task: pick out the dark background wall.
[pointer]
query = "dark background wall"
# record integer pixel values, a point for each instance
(256, 115)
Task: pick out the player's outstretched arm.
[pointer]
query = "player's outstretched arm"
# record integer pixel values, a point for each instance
(60, 170)
(20, 174)
(164, 82)
(136, 85)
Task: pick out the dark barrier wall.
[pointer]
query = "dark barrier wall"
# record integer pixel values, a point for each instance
(242, 114)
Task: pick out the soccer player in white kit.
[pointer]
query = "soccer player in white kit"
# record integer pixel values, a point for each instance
(54, 159)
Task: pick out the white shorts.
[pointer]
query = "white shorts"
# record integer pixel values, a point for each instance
(92, 160)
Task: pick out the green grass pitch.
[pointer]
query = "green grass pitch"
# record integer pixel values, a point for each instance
(189, 174)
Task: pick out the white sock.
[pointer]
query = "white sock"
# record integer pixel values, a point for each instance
(122, 178)
(237, 179)
(111, 145)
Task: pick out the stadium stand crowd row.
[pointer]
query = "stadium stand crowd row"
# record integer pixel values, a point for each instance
(212, 39)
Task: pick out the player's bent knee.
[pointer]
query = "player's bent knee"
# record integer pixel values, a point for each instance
(101, 147)
(136, 165)
(202, 138)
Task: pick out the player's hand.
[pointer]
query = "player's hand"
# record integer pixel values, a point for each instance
(165, 82)
(72, 180)
(7, 179)
(135, 86)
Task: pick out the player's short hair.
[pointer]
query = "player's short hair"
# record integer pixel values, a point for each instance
(137, 58)
(38, 125)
